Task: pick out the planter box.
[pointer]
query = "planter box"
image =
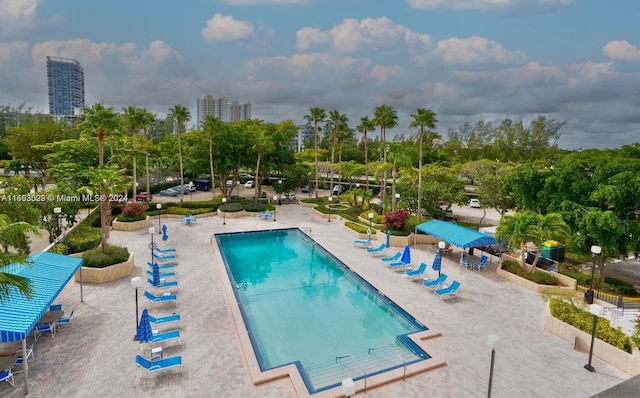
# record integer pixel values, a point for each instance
(106, 274)
(567, 283)
(130, 226)
(235, 214)
(357, 235)
(628, 363)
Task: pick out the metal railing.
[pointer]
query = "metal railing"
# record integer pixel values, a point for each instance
(357, 365)
(404, 363)
(611, 298)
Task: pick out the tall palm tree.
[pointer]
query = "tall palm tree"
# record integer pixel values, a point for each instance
(337, 121)
(423, 117)
(100, 121)
(210, 124)
(366, 125)
(147, 120)
(316, 115)
(133, 118)
(181, 115)
(385, 117)
(12, 238)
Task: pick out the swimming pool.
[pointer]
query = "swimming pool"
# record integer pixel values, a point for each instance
(302, 306)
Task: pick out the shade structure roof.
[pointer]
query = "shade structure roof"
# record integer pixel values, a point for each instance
(455, 234)
(49, 273)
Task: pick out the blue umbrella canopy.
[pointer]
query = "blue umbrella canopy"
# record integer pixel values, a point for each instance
(437, 261)
(164, 232)
(144, 334)
(406, 255)
(156, 274)
(388, 238)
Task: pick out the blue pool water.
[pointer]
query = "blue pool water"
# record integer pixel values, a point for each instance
(302, 305)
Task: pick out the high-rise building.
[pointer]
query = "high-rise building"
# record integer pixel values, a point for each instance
(206, 106)
(220, 108)
(65, 81)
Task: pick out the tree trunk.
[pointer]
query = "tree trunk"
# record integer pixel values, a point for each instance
(316, 155)
(213, 180)
(146, 164)
(366, 161)
(134, 170)
(420, 177)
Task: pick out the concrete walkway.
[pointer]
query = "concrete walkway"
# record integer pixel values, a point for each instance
(97, 356)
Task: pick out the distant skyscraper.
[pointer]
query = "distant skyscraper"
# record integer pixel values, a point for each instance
(206, 106)
(65, 81)
(220, 108)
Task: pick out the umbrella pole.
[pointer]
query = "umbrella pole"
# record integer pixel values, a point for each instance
(25, 365)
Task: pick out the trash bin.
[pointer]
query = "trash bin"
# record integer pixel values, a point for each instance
(553, 250)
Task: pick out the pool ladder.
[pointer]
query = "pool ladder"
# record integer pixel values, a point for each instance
(404, 363)
(340, 357)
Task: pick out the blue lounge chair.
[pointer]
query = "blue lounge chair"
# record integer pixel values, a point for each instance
(155, 366)
(166, 336)
(7, 376)
(464, 262)
(399, 265)
(22, 357)
(164, 266)
(377, 250)
(363, 243)
(449, 290)
(66, 320)
(163, 285)
(482, 264)
(435, 283)
(46, 327)
(418, 272)
(395, 257)
(265, 215)
(167, 297)
(163, 320)
(163, 256)
(163, 251)
(162, 274)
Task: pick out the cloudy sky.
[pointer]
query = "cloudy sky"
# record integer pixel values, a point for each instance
(468, 60)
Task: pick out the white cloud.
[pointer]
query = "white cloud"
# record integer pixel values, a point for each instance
(85, 51)
(157, 53)
(483, 4)
(621, 50)
(14, 49)
(381, 73)
(257, 2)
(226, 28)
(471, 50)
(18, 14)
(371, 34)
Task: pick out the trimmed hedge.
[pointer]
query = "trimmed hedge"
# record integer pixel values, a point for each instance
(140, 217)
(541, 278)
(85, 236)
(583, 320)
(96, 259)
(359, 228)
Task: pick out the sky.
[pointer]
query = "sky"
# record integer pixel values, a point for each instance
(468, 60)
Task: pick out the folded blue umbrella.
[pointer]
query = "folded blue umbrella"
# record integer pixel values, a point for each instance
(406, 255)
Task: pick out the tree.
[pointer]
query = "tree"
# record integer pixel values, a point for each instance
(134, 118)
(316, 115)
(13, 236)
(365, 125)
(338, 121)
(146, 120)
(180, 115)
(99, 121)
(423, 117)
(210, 124)
(385, 117)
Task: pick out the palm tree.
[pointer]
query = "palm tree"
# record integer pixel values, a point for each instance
(134, 118)
(209, 124)
(336, 123)
(385, 117)
(316, 115)
(423, 117)
(180, 114)
(107, 181)
(366, 125)
(147, 120)
(528, 226)
(100, 121)
(12, 239)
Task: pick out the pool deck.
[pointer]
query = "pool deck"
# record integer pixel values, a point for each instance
(97, 356)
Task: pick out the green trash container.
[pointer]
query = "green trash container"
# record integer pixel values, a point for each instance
(555, 253)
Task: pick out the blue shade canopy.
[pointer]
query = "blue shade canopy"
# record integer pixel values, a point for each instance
(49, 274)
(437, 261)
(455, 234)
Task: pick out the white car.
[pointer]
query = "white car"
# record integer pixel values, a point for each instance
(474, 203)
(250, 184)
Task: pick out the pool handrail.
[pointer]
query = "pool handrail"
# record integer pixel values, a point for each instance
(357, 364)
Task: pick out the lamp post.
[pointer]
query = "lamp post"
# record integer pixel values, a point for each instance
(596, 310)
(159, 207)
(136, 282)
(275, 209)
(224, 213)
(330, 201)
(493, 341)
(595, 250)
(395, 201)
(370, 219)
(279, 193)
(152, 231)
(57, 211)
(441, 246)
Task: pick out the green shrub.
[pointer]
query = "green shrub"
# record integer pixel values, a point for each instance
(184, 211)
(619, 286)
(255, 207)
(583, 320)
(83, 238)
(536, 276)
(123, 218)
(359, 228)
(232, 207)
(96, 259)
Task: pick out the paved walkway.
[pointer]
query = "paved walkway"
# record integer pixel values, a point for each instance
(96, 357)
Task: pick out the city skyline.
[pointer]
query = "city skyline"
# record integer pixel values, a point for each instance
(468, 60)
(65, 86)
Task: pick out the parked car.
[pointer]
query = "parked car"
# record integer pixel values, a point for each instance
(337, 190)
(142, 196)
(263, 195)
(250, 184)
(245, 176)
(474, 203)
(170, 192)
(305, 189)
(203, 185)
(190, 186)
(229, 183)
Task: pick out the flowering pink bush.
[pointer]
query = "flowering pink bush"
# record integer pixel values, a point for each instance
(134, 209)
(396, 220)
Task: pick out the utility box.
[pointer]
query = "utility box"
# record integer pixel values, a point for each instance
(553, 250)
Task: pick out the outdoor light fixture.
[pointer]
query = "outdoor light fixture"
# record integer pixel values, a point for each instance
(279, 189)
(493, 341)
(57, 211)
(595, 250)
(224, 213)
(370, 218)
(330, 201)
(136, 282)
(596, 310)
(159, 207)
(152, 231)
(348, 387)
(275, 209)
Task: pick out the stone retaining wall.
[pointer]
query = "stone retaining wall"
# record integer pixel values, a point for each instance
(130, 226)
(106, 274)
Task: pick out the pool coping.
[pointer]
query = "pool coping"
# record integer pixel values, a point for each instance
(423, 339)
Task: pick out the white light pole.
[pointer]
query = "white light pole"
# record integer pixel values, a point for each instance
(152, 231)
(275, 209)
(57, 211)
(395, 201)
(596, 310)
(159, 207)
(595, 251)
(279, 193)
(441, 246)
(330, 201)
(493, 340)
(136, 282)
(370, 219)
(224, 213)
